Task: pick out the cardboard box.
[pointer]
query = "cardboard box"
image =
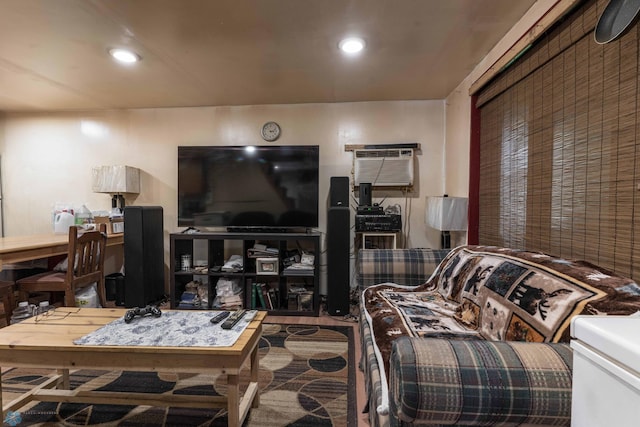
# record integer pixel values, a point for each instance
(114, 226)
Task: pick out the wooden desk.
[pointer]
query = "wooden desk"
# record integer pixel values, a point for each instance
(27, 248)
(49, 343)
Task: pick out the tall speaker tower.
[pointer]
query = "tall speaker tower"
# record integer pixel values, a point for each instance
(338, 246)
(143, 255)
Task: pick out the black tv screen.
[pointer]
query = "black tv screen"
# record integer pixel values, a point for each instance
(248, 186)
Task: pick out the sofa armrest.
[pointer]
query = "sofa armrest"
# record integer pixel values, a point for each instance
(401, 266)
(475, 382)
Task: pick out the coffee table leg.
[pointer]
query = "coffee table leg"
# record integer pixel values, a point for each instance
(255, 369)
(1, 404)
(233, 400)
(64, 373)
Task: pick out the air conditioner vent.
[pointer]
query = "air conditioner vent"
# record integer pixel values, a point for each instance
(379, 153)
(384, 167)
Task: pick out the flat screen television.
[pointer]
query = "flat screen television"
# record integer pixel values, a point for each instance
(241, 187)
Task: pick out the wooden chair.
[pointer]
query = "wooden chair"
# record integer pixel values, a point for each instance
(86, 253)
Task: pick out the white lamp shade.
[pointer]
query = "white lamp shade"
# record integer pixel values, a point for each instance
(116, 179)
(447, 213)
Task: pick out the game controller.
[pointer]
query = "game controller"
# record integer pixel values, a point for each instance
(137, 311)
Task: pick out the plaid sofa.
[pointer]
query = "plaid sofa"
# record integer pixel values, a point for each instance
(480, 338)
(375, 266)
(401, 266)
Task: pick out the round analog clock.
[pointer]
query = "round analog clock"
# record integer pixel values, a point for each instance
(270, 131)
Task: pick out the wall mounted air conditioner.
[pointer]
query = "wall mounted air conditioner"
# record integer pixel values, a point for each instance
(384, 167)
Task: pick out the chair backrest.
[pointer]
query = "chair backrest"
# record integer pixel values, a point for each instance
(86, 256)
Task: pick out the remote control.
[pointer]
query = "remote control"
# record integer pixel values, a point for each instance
(219, 317)
(233, 319)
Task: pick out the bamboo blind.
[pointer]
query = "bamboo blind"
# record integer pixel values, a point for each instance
(559, 157)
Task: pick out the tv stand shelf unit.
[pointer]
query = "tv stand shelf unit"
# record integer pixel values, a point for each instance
(289, 292)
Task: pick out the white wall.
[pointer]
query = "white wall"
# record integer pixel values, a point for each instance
(47, 158)
(458, 136)
(456, 158)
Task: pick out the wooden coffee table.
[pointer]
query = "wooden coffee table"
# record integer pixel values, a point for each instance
(48, 343)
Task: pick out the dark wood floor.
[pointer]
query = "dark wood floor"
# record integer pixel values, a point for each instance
(325, 319)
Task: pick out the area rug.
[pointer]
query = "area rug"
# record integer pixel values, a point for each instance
(306, 378)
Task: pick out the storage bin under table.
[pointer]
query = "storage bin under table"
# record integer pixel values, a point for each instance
(606, 371)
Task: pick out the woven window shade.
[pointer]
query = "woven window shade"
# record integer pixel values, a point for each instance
(559, 154)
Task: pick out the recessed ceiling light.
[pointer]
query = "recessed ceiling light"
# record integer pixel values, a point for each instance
(351, 45)
(124, 55)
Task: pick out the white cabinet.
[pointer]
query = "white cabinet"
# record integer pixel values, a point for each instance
(606, 371)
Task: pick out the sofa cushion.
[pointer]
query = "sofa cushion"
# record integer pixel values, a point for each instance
(401, 266)
(452, 382)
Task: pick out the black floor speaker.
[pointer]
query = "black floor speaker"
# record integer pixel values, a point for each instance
(143, 255)
(338, 247)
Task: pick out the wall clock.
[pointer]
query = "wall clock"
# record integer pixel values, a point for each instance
(270, 131)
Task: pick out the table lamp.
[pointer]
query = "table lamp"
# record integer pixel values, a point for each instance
(446, 214)
(116, 180)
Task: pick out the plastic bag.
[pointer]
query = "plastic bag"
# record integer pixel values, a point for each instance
(87, 297)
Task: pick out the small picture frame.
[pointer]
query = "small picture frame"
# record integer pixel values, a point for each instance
(267, 266)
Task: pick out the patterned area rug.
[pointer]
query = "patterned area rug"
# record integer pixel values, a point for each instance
(307, 378)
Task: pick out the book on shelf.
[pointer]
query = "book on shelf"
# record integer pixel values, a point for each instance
(300, 268)
(262, 251)
(253, 295)
(268, 304)
(188, 300)
(274, 298)
(259, 288)
(298, 272)
(267, 298)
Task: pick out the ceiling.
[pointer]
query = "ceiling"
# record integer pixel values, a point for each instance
(53, 53)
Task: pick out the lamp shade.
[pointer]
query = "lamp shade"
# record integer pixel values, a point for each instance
(116, 179)
(447, 213)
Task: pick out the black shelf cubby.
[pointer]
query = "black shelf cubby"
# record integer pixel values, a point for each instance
(207, 252)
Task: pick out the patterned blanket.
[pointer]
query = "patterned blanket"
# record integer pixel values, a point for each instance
(186, 328)
(497, 294)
